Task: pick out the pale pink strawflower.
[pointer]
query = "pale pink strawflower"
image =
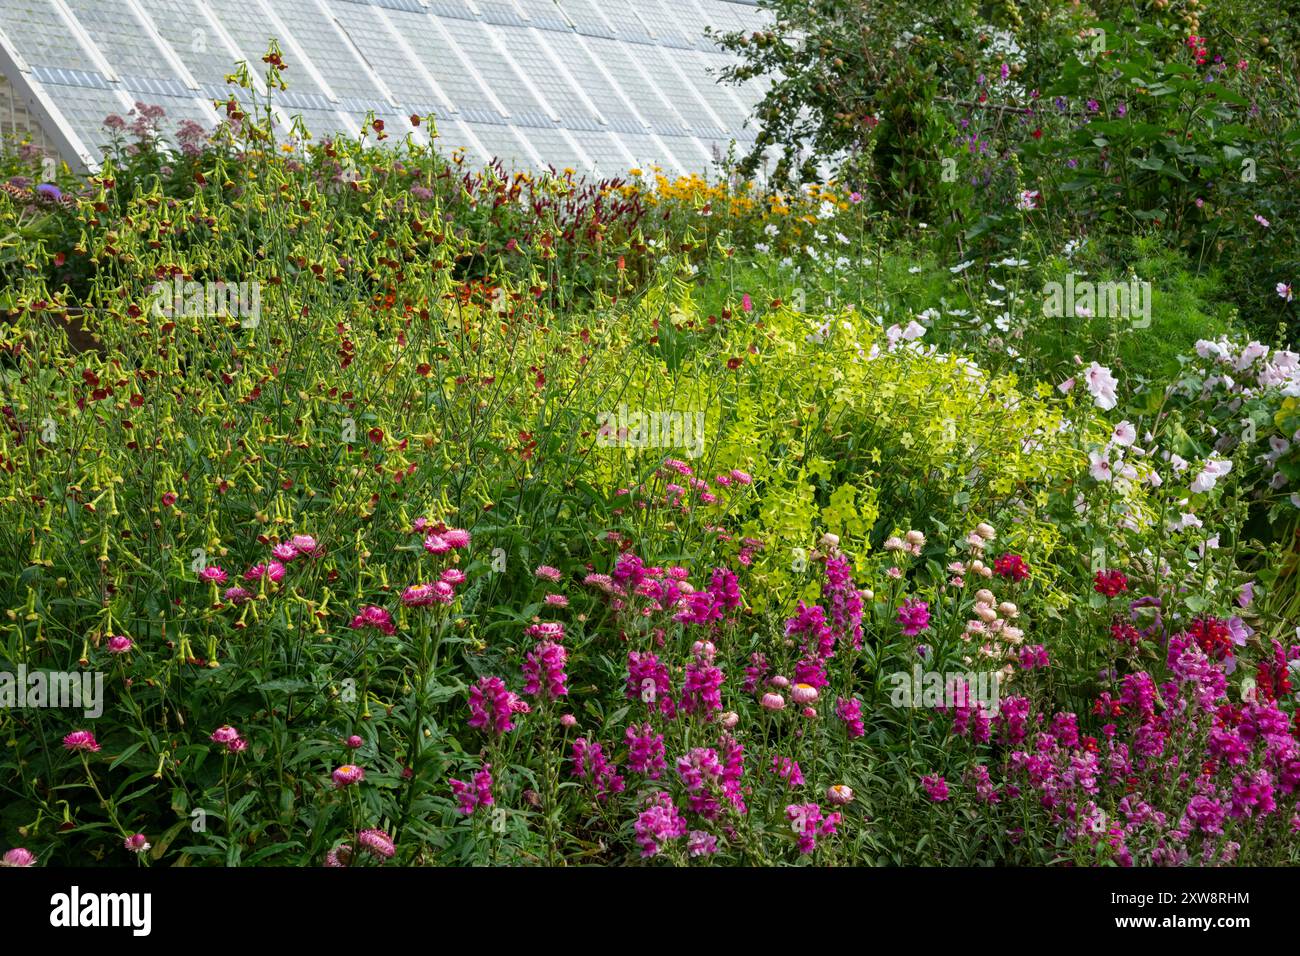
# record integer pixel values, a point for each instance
(547, 573)
(452, 576)
(804, 694)
(81, 741)
(18, 857)
(773, 702)
(284, 552)
(839, 794)
(780, 681)
(347, 775)
(304, 544)
(556, 600)
(568, 720)
(418, 595)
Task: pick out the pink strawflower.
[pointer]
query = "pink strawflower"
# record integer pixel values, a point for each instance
(377, 842)
(456, 537)
(418, 595)
(547, 573)
(82, 741)
(839, 794)
(18, 857)
(556, 600)
(340, 856)
(304, 544)
(229, 737)
(372, 616)
(546, 631)
(237, 595)
(803, 694)
(452, 576)
(119, 644)
(214, 573)
(136, 843)
(347, 775)
(272, 571)
(773, 702)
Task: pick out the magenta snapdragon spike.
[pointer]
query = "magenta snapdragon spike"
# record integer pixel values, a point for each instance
(702, 691)
(701, 843)
(808, 823)
(788, 770)
(648, 681)
(850, 711)
(475, 794)
(845, 601)
(544, 671)
(659, 823)
(810, 624)
(701, 773)
(935, 786)
(645, 751)
(914, 616)
(591, 764)
(733, 771)
(492, 706)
